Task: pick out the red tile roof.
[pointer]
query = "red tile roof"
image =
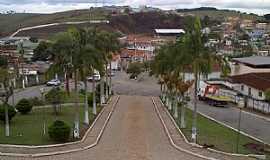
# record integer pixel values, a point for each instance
(260, 81)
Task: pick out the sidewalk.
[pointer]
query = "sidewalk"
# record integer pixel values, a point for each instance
(89, 140)
(179, 140)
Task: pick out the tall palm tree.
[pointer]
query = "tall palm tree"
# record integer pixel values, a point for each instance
(109, 44)
(200, 59)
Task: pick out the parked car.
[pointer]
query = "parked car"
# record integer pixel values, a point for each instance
(54, 82)
(95, 76)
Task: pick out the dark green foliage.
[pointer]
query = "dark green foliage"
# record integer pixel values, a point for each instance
(11, 112)
(98, 90)
(55, 96)
(43, 52)
(59, 131)
(267, 94)
(36, 101)
(3, 62)
(34, 40)
(134, 69)
(24, 106)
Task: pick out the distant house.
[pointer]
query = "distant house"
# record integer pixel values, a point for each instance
(252, 85)
(253, 64)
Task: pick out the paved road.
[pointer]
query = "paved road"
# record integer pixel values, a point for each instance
(56, 24)
(250, 124)
(133, 133)
(144, 86)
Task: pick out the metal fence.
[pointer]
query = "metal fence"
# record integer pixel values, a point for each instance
(254, 104)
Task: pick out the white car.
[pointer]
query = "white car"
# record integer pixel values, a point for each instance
(95, 76)
(54, 82)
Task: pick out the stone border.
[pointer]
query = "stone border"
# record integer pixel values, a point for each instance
(73, 150)
(213, 150)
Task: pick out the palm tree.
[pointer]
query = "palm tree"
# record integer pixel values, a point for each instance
(109, 44)
(200, 60)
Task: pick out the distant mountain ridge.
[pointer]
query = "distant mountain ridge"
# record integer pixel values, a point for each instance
(126, 23)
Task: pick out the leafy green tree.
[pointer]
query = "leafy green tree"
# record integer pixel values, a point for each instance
(11, 112)
(43, 52)
(201, 60)
(55, 97)
(3, 62)
(135, 69)
(267, 94)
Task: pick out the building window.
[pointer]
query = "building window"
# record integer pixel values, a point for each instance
(260, 94)
(242, 87)
(249, 91)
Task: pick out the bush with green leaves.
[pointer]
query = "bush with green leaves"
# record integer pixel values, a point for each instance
(24, 106)
(36, 101)
(55, 96)
(11, 112)
(59, 131)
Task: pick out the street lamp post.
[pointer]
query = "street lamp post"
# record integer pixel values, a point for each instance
(241, 106)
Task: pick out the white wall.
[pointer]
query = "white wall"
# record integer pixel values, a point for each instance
(254, 92)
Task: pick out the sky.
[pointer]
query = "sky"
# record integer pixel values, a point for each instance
(49, 6)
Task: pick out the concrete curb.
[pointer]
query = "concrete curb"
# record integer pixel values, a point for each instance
(72, 150)
(210, 149)
(171, 140)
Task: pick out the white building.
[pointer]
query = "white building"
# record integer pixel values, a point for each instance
(252, 85)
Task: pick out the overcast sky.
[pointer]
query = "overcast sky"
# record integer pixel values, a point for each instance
(49, 6)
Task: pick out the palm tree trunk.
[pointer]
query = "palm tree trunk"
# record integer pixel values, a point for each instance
(77, 120)
(67, 83)
(175, 107)
(102, 98)
(86, 105)
(106, 90)
(94, 96)
(110, 89)
(6, 120)
(170, 101)
(194, 123)
(183, 110)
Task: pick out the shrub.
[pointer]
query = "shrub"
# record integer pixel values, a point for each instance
(11, 112)
(59, 131)
(55, 96)
(36, 101)
(24, 106)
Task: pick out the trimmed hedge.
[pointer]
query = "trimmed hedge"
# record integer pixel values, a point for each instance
(59, 131)
(11, 112)
(24, 106)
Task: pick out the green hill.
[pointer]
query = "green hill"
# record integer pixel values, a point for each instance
(11, 22)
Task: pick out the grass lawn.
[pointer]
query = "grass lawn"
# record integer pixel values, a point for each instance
(212, 133)
(28, 129)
